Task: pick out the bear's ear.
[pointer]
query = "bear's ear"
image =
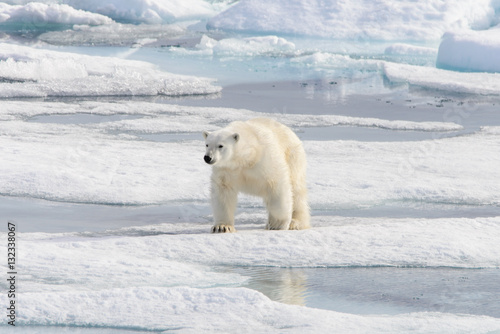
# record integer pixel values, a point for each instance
(236, 137)
(205, 134)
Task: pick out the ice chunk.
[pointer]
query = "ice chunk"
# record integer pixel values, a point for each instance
(36, 15)
(113, 34)
(433, 78)
(222, 310)
(151, 11)
(472, 51)
(242, 47)
(380, 20)
(74, 261)
(251, 46)
(31, 72)
(409, 50)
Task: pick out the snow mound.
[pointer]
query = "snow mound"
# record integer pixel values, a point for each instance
(37, 15)
(151, 11)
(471, 51)
(30, 72)
(409, 50)
(332, 242)
(222, 310)
(75, 262)
(251, 46)
(380, 20)
(439, 79)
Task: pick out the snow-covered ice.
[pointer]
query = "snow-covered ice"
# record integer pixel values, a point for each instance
(38, 14)
(151, 11)
(135, 11)
(31, 72)
(445, 80)
(80, 156)
(188, 310)
(477, 51)
(409, 50)
(360, 19)
(68, 281)
(250, 46)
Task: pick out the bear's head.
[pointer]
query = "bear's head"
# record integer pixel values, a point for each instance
(220, 146)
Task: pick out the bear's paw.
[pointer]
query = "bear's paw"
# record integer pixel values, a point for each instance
(297, 225)
(221, 228)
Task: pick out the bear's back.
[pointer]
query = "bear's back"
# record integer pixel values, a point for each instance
(268, 129)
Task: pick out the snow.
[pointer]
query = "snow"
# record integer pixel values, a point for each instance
(31, 72)
(40, 14)
(408, 49)
(250, 46)
(188, 310)
(332, 242)
(107, 163)
(150, 11)
(133, 11)
(173, 118)
(477, 51)
(444, 80)
(127, 279)
(380, 20)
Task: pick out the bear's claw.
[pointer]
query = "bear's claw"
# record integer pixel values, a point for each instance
(223, 229)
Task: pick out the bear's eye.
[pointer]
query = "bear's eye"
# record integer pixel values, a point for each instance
(220, 146)
(206, 145)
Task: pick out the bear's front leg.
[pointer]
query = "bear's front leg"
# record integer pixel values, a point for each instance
(224, 199)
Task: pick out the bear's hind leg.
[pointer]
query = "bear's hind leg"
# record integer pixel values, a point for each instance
(280, 212)
(300, 216)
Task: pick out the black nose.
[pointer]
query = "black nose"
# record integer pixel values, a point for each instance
(207, 159)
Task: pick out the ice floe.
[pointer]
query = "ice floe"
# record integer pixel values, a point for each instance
(132, 11)
(410, 50)
(381, 20)
(473, 51)
(250, 46)
(151, 11)
(110, 163)
(36, 15)
(31, 72)
(163, 118)
(113, 279)
(331, 242)
(443, 80)
(222, 310)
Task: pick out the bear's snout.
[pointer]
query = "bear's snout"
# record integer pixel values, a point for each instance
(207, 159)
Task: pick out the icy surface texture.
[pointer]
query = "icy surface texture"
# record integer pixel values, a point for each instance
(380, 20)
(31, 72)
(475, 51)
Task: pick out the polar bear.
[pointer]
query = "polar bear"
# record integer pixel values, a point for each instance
(260, 157)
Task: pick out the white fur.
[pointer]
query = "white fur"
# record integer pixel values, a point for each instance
(259, 157)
